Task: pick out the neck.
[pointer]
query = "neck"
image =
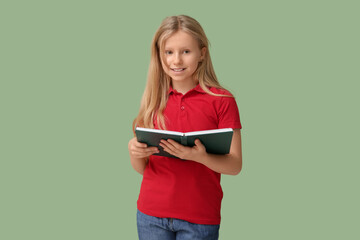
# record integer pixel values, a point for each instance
(184, 87)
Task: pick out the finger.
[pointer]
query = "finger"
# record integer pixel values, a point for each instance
(167, 148)
(199, 144)
(169, 145)
(141, 150)
(140, 145)
(174, 143)
(163, 144)
(134, 143)
(140, 155)
(146, 150)
(146, 153)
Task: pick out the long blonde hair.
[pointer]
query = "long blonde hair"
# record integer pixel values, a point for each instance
(158, 83)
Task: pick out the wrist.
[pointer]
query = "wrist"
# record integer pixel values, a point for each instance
(201, 158)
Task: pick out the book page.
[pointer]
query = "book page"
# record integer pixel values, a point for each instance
(209, 131)
(160, 131)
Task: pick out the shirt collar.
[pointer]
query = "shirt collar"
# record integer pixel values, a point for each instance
(197, 88)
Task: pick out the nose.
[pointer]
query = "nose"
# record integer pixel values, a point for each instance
(177, 58)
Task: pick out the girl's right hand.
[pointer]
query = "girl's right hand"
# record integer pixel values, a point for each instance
(140, 150)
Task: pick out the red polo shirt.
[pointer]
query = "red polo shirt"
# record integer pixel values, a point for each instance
(174, 188)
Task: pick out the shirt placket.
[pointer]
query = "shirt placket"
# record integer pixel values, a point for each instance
(182, 109)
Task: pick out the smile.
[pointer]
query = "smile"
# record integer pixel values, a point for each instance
(177, 69)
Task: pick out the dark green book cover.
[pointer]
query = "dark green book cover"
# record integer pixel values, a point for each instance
(217, 141)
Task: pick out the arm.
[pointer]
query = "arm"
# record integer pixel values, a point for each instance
(139, 154)
(227, 164)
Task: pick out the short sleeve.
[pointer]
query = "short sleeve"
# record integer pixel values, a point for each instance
(228, 113)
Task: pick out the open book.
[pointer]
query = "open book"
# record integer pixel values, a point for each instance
(216, 141)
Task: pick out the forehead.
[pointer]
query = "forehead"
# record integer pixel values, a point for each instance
(180, 39)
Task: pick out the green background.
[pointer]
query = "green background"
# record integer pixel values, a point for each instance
(72, 75)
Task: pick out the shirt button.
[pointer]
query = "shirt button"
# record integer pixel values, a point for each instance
(182, 108)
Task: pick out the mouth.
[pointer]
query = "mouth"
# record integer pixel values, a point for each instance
(177, 69)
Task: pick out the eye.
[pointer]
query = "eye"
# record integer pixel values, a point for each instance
(187, 51)
(168, 52)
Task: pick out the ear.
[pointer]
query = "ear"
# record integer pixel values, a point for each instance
(203, 53)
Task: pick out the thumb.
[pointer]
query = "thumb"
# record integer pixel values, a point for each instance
(198, 143)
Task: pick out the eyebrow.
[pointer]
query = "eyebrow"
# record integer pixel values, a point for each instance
(182, 48)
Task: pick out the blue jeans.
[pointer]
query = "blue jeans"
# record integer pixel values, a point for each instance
(154, 228)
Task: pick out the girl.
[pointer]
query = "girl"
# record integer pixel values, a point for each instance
(181, 199)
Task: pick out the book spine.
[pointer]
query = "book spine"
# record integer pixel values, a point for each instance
(184, 140)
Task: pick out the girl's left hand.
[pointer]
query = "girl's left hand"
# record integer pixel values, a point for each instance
(195, 153)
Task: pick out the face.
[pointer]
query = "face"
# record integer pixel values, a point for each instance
(181, 57)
